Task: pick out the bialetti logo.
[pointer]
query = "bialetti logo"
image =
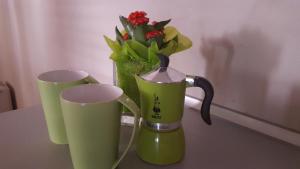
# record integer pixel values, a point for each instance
(156, 108)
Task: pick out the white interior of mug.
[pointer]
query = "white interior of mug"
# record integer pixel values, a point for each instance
(92, 93)
(60, 76)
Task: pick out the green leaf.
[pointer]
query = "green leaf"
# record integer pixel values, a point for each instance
(160, 25)
(114, 57)
(125, 53)
(140, 49)
(114, 46)
(119, 36)
(132, 54)
(149, 28)
(139, 34)
(127, 25)
(158, 40)
(183, 43)
(170, 48)
(152, 51)
(170, 33)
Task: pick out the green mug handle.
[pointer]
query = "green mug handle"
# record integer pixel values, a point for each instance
(90, 79)
(126, 101)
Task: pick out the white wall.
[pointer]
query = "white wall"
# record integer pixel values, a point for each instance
(248, 49)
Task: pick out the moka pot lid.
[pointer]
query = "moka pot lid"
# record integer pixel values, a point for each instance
(164, 74)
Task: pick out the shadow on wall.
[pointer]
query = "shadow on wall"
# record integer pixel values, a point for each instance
(12, 95)
(240, 65)
(292, 114)
(218, 53)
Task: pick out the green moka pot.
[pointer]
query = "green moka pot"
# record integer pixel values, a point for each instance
(162, 92)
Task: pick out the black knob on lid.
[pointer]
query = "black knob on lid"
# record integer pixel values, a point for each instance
(164, 62)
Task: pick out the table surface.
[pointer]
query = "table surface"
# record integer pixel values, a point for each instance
(24, 144)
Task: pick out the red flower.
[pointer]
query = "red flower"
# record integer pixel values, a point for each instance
(138, 18)
(153, 34)
(125, 36)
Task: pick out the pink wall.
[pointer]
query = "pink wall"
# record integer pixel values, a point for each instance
(249, 49)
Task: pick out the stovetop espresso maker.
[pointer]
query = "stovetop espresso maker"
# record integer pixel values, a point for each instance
(162, 92)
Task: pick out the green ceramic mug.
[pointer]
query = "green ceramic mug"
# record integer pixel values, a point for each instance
(50, 85)
(92, 115)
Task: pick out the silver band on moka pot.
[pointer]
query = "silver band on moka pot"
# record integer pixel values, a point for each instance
(162, 127)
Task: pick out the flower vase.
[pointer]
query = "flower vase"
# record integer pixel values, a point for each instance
(126, 81)
(135, 49)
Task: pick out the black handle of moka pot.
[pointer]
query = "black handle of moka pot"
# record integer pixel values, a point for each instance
(196, 81)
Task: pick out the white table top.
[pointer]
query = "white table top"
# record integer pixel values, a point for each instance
(24, 144)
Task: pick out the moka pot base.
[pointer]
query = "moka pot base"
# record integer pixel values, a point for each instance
(161, 148)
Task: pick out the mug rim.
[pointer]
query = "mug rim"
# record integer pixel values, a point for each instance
(66, 95)
(42, 77)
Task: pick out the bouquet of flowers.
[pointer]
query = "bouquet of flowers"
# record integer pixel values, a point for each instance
(135, 48)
